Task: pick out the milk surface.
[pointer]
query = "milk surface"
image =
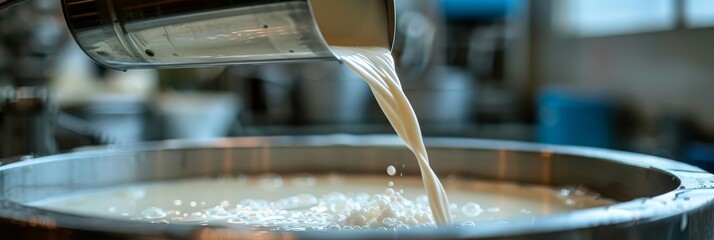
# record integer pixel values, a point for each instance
(327, 202)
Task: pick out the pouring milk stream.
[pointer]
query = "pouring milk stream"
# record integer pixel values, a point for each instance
(359, 48)
(376, 67)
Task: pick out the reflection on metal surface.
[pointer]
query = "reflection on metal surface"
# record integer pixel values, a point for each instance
(661, 199)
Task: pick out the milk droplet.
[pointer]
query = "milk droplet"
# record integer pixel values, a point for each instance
(391, 170)
(217, 212)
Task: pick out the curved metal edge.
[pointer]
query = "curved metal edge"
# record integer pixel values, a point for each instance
(695, 196)
(636, 159)
(73, 32)
(319, 32)
(10, 3)
(391, 18)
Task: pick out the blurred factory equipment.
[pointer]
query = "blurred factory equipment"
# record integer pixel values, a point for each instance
(196, 115)
(113, 103)
(444, 98)
(700, 154)
(131, 34)
(265, 93)
(464, 81)
(31, 37)
(651, 58)
(441, 95)
(331, 93)
(418, 34)
(185, 97)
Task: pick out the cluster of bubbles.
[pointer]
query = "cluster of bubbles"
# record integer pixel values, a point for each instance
(334, 211)
(578, 196)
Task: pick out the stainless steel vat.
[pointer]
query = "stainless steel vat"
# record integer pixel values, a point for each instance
(660, 199)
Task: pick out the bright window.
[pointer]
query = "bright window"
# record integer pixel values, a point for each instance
(699, 13)
(587, 18)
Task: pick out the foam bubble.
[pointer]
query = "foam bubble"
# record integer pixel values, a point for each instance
(300, 201)
(471, 209)
(218, 212)
(391, 170)
(468, 224)
(154, 213)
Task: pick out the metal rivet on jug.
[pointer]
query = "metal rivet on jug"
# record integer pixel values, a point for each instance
(129, 34)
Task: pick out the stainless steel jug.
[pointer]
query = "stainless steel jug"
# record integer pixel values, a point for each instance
(127, 34)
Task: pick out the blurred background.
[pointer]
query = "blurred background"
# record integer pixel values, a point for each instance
(633, 75)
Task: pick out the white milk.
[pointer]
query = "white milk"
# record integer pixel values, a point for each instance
(367, 26)
(376, 67)
(328, 202)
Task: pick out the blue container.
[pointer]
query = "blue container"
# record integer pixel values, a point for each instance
(701, 155)
(575, 117)
(468, 10)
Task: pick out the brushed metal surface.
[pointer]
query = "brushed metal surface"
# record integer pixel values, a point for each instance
(128, 34)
